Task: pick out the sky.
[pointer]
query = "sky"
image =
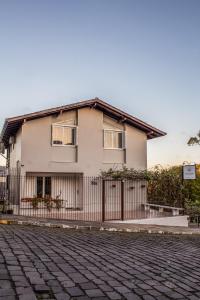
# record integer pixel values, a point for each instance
(142, 56)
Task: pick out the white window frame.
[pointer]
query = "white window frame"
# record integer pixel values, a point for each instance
(64, 125)
(43, 185)
(123, 139)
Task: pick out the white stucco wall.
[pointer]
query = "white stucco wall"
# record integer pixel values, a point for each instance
(36, 153)
(15, 152)
(136, 148)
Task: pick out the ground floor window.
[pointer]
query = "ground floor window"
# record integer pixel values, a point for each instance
(43, 186)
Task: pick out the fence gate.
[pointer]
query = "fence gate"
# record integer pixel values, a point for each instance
(112, 200)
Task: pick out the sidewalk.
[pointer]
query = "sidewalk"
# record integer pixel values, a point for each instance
(106, 226)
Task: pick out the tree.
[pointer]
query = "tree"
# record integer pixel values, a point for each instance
(195, 140)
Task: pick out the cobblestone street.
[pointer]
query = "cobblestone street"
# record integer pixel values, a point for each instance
(44, 263)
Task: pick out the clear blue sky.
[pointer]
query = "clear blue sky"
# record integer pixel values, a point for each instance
(141, 56)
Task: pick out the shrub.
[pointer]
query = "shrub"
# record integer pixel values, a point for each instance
(47, 200)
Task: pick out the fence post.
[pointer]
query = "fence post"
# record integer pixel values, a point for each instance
(103, 200)
(122, 200)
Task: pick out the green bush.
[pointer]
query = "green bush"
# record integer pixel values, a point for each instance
(165, 187)
(47, 201)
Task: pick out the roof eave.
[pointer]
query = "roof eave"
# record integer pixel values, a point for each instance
(150, 131)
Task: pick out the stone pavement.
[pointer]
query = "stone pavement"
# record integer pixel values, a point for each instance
(53, 263)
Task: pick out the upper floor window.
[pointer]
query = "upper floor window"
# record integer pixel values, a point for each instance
(63, 135)
(114, 139)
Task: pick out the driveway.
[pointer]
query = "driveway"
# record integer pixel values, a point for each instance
(49, 263)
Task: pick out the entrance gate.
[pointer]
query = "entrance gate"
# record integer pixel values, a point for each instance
(112, 200)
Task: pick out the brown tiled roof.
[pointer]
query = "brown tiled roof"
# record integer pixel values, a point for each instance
(11, 125)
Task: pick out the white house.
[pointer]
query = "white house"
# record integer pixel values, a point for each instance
(59, 152)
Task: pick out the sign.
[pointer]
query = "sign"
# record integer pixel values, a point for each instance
(189, 172)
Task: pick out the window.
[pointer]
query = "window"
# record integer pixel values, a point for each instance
(43, 186)
(113, 139)
(39, 187)
(63, 135)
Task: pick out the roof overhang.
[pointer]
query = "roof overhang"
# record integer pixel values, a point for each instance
(12, 125)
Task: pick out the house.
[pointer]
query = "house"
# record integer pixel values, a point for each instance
(51, 151)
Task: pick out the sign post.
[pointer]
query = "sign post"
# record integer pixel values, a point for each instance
(189, 172)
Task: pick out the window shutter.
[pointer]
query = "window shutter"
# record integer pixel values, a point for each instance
(74, 138)
(124, 139)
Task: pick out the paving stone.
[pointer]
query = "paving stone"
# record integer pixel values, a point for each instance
(22, 290)
(94, 293)
(185, 287)
(98, 281)
(122, 289)
(57, 289)
(5, 284)
(113, 295)
(176, 296)
(27, 297)
(14, 268)
(41, 288)
(193, 297)
(88, 286)
(132, 296)
(144, 286)
(162, 297)
(22, 284)
(147, 297)
(17, 273)
(19, 278)
(53, 283)
(62, 296)
(48, 263)
(9, 298)
(74, 291)
(83, 298)
(4, 276)
(68, 283)
(114, 283)
(140, 292)
(105, 288)
(7, 292)
(162, 289)
(154, 292)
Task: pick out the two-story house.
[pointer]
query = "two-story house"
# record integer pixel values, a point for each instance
(54, 149)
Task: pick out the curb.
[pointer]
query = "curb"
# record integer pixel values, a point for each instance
(96, 228)
(4, 222)
(43, 224)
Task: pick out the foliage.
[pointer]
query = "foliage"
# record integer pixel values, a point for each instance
(195, 140)
(35, 202)
(125, 173)
(48, 202)
(192, 203)
(192, 209)
(165, 187)
(58, 203)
